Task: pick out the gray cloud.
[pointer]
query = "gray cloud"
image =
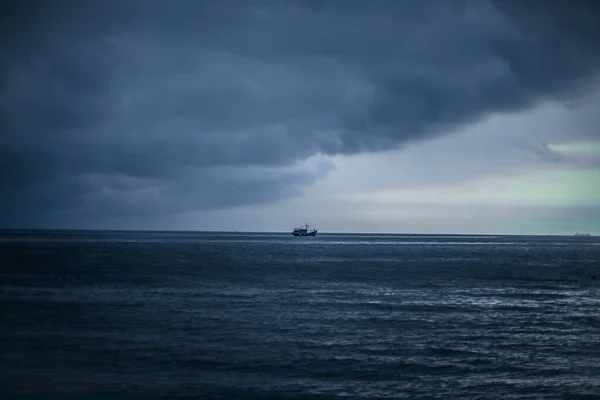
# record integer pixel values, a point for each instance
(124, 107)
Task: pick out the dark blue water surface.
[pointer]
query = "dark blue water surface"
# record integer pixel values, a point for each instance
(209, 315)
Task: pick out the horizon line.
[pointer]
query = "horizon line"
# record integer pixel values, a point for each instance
(286, 232)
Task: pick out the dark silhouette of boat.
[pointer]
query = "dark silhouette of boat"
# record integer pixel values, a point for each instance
(304, 231)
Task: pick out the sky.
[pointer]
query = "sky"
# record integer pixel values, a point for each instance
(435, 116)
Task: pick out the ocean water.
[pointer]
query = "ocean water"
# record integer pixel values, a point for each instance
(250, 316)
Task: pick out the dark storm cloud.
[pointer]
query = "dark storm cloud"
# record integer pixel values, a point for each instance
(123, 106)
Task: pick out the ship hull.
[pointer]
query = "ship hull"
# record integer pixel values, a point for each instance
(313, 233)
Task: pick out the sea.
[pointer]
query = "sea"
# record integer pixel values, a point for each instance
(209, 315)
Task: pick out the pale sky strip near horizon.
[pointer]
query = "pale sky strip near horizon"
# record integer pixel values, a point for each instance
(435, 116)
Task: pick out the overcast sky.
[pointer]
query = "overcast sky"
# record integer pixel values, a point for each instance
(354, 116)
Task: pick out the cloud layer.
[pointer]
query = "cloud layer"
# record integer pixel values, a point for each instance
(124, 107)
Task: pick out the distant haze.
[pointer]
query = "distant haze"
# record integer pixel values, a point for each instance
(406, 116)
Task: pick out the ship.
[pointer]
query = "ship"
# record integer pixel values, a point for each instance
(304, 231)
(583, 234)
